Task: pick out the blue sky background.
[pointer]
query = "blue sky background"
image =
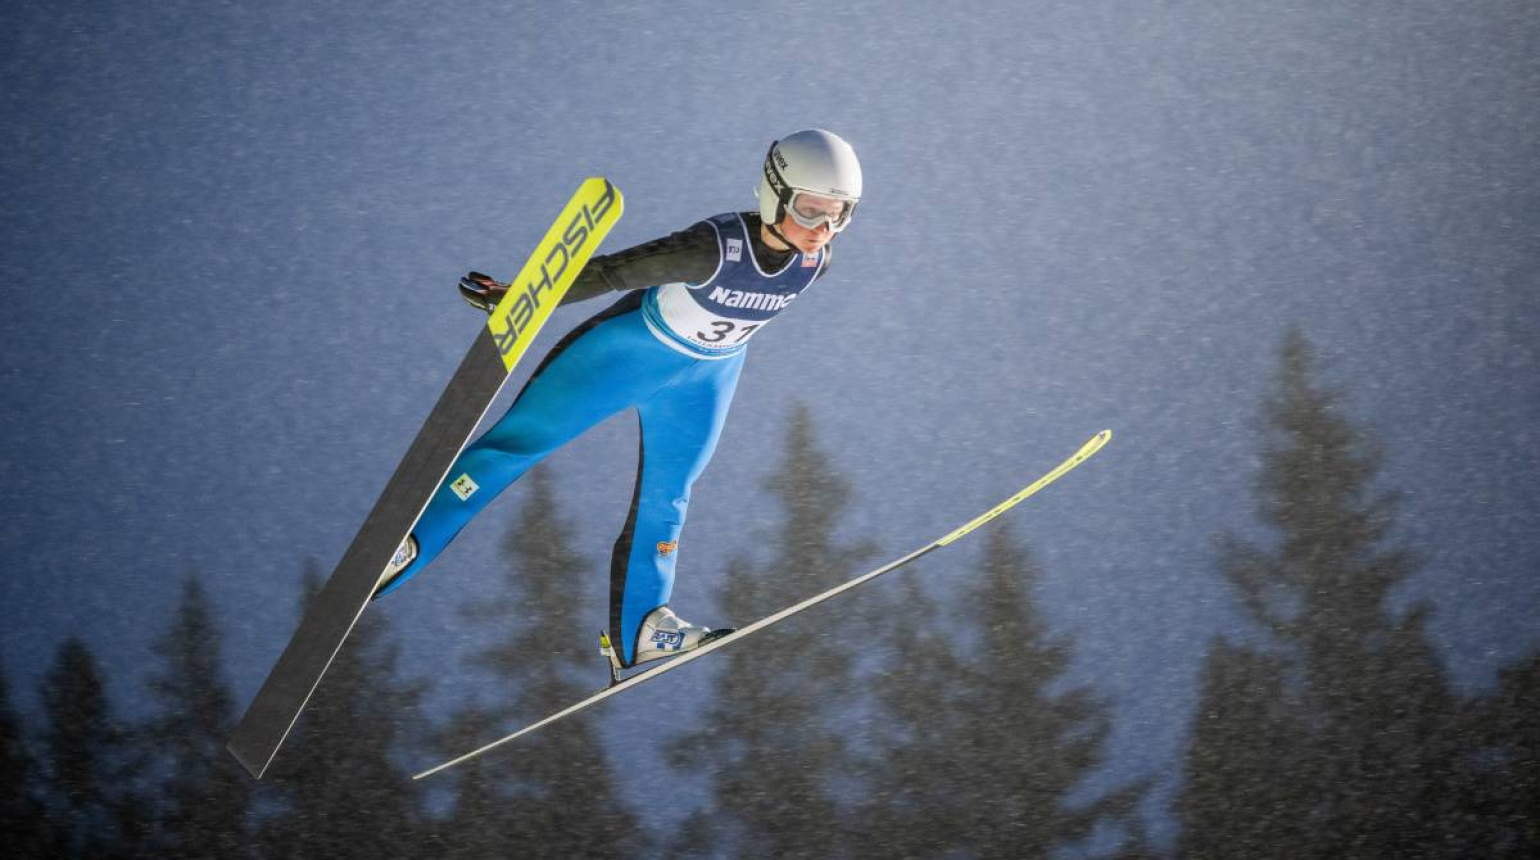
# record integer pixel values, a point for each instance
(230, 231)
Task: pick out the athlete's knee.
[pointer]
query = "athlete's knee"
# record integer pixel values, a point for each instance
(663, 507)
(681, 507)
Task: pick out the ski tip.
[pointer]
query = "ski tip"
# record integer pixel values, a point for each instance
(1092, 446)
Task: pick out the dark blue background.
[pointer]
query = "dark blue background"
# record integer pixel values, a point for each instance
(231, 232)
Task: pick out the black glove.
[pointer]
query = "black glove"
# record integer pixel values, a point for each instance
(482, 291)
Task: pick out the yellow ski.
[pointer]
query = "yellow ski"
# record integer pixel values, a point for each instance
(550, 271)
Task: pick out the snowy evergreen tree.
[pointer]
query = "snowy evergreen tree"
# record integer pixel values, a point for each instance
(21, 814)
(92, 797)
(204, 795)
(979, 755)
(555, 793)
(1234, 802)
(768, 744)
(1340, 741)
(345, 795)
(1496, 790)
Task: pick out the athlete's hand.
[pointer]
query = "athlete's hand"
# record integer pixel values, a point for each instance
(482, 291)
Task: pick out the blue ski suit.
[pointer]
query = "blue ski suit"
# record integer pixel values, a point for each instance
(673, 351)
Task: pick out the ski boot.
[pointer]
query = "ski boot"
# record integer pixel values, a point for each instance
(664, 634)
(405, 555)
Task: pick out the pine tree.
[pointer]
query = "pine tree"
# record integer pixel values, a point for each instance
(1356, 717)
(1496, 791)
(768, 743)
(1514, 721)
(912, 760)
(554, 795)
(345, 795)
(1234, 803)
(205, 797)
(21, 814)
(90, 779)
(980, 755)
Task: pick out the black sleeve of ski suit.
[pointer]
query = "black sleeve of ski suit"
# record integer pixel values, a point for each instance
(689, 256)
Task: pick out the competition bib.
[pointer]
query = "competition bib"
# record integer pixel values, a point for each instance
(717, 318)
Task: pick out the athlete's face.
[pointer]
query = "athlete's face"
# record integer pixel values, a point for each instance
(807, 240)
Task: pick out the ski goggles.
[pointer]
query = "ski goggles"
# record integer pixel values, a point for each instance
(814, 210)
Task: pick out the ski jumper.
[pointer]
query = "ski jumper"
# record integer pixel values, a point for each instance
(673, 351)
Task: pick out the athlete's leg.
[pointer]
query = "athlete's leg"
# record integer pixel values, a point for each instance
(680, 427)
(602, 370)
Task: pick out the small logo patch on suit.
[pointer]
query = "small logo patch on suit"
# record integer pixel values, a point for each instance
(735, 250)
(666, 548)
(464, 487)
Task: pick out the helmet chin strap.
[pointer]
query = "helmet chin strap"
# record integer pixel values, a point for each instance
(776, 232)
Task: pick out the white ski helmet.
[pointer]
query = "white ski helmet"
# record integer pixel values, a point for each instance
(819, 163)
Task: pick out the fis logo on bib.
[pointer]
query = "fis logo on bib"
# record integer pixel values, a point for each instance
(735, 250)
(666, 547)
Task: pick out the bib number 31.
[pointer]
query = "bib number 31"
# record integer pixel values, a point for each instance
(721, 330)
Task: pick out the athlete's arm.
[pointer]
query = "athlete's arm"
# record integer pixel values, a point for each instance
(688, 256)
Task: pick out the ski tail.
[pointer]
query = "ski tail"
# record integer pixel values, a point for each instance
(567, 246)
(1086, 451)
(552, 268)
